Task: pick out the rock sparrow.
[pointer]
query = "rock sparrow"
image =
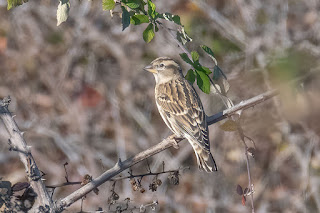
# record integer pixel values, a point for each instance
(181, 109)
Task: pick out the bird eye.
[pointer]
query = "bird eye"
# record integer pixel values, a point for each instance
(161, 65)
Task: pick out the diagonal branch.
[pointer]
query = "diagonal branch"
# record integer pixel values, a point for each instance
(165, 144)
(241, 106)
(17, 143)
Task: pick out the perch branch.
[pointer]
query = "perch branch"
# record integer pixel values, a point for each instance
(241, 106)
(17, 143)
(164, 144)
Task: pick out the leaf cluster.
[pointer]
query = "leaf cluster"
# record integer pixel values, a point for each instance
(136, 12)
(200, 72)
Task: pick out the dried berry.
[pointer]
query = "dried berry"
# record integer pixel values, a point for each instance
(153, 187)
(86, 179)
(134, 184)
(158, 182)
(251, 152)
(174, 178)
(142, 190)
(113, 198)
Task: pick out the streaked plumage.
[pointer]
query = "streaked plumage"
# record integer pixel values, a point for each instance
(181, 109)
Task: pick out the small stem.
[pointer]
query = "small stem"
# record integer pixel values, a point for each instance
(249, 178)
(63, 184)
(147, 174)
(242, 136)
(184, 49)
(241, 106)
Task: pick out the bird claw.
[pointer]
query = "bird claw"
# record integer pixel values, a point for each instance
(174, 140)
(175, 145)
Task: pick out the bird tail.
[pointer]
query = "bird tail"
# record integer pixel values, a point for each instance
(205, 159)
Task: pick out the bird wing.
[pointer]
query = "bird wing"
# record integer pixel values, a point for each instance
(182, 111)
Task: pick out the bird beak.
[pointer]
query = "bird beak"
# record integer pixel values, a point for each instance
(149, 68)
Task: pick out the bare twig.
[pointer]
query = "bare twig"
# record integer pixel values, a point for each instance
(165, 144)
(18, 143)
(169, 31)
(63, 184)
(250, 184)
(224, 25)
(241, 106)
(148, 174)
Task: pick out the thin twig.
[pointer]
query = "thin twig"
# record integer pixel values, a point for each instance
(63, 184)
(250, 185)
(184, 49)
(241, 106)
(148, 174)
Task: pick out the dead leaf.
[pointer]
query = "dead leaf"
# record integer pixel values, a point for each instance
(229, 126)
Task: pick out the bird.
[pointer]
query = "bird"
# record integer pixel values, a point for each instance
(181, 109)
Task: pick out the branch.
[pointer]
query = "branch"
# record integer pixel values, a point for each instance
(63, 184)
(148, 174)
(17, 143)
(165, 144)
(119, 167)
(241, 106)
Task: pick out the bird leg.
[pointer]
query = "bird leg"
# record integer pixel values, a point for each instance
(175, 140)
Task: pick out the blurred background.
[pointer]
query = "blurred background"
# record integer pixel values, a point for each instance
(81, 96)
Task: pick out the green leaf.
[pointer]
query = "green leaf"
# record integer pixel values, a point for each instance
(210, 53)
(182, 36)
(133, 4)
(185, 57)
(176, 19)
(195, 56)
(15, 3)
(206, 70)
(63, 11)
(170, 17)
(148, 33)
(108, 4)
(139, 19)
(203, 82)
(156, 28)
(207, 50)
(217, 73)
(125, 18)
(190, 76)
(151, 9)
(229, 125)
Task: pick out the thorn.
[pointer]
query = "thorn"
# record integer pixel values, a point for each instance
(22, 133)
(119, 163)
(13, 116)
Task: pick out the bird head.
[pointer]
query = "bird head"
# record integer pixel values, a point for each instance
(164, 69)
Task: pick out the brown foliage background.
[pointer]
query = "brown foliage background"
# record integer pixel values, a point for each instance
(80, 94)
